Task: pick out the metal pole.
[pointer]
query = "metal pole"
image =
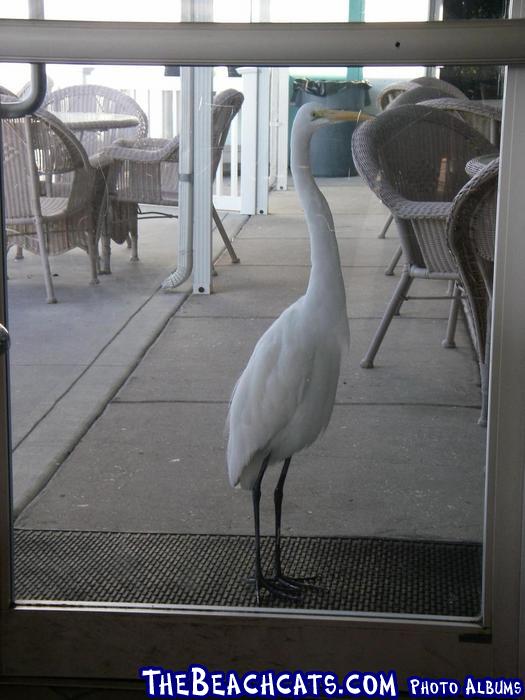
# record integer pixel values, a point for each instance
(6, 501)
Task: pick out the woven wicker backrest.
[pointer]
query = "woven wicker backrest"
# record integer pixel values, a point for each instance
(437, 88)
(471, 233)
(225, 106)
(98, 98)
(416, 94)
(148, 169)
(55, 150)
(442, 85)
(17, 174)
(390, 92)
(472, 222)
(416, 152)
(485, 118)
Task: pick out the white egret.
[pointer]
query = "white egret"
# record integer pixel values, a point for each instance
(284, 398)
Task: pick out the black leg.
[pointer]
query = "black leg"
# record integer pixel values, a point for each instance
(278, 502)
(261, 581)
(256, 499)
(291, 584)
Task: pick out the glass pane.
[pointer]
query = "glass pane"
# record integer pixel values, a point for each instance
(120, 391)
(260, 11)
(97, 10)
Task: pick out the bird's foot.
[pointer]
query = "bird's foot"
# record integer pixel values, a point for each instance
(276, 588)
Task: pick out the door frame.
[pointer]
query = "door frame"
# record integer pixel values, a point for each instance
(107, 641)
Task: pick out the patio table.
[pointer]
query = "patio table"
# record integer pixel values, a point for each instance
(96, 121)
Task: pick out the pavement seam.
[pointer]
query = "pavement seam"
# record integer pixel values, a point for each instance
(86, 369)
(132, 368)
(184, 293)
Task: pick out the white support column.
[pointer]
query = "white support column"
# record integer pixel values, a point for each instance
(282, 128)
(249, 141)
(274, 126)
(260, 11)
(263, 140)
(185, 255)
(202, 181)
(36, 9)
(255, 140)
(202, 185)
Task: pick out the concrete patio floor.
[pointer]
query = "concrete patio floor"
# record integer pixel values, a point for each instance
(120, 393)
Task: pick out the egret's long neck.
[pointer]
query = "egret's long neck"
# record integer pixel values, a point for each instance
(326, 279)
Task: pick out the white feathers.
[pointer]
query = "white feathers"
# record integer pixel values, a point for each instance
(285, 396)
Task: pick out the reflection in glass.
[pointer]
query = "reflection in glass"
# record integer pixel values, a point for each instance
(120, 392)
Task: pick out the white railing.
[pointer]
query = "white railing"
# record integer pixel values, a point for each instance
(227, 190)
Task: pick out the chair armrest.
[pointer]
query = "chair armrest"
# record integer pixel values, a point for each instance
(416, 211)
(147, 143)
(142, 150)
(407, 208)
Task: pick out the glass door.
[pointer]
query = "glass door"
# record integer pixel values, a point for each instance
(126, 545)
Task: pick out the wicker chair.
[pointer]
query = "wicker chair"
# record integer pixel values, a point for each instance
(417, 93)
(98, 98)
(41, 145)
(414, 158)
(419, 90)
(147, 172)
(484, 118)
(392, 91)
(470, 233)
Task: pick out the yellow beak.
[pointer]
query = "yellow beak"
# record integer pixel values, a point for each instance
(342, 115)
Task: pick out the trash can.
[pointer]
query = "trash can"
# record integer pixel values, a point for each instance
(330, 151)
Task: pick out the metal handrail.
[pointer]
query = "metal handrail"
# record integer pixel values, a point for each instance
(33, 100)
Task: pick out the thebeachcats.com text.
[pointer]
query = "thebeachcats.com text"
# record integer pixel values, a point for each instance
(198, 682)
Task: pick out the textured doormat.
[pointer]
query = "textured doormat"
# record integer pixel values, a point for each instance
(418, 577)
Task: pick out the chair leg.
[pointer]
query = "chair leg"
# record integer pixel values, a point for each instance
(449, 341)
(106, 254)
(134, 237)
(93, 257)
(37, 212)
(42, 246)
(389, 271)
(105, 241)
(395, 303)
(224, 236)
(386, 226)
(104, 222)
(19, 253)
